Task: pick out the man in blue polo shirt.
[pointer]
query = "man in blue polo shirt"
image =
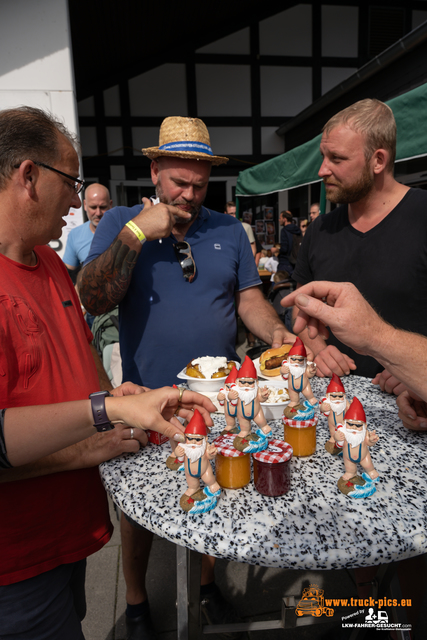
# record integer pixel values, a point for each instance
(96, 202)
(177, 270)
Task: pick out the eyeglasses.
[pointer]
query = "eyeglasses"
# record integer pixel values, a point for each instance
(186, 260)
(78, 185)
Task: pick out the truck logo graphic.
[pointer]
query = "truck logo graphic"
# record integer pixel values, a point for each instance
(312, 603)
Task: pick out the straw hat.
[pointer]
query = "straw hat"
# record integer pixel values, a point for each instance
(186, 138)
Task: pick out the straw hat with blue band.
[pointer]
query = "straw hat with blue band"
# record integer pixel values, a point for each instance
(186, 138)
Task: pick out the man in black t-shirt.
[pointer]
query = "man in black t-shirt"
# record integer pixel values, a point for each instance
(376, 239)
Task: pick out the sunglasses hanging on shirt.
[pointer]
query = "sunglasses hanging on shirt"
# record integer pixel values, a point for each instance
(186, 260)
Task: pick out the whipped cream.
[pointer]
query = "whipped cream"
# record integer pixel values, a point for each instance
(208, 365)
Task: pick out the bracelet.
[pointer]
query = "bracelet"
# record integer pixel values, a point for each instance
(137, 231)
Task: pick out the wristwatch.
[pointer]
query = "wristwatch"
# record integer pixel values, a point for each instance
(101, 420)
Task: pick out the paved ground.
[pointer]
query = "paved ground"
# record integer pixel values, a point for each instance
(255, 591)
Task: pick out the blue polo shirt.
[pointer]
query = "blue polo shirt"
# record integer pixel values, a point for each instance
(165, 321)
(78, 245)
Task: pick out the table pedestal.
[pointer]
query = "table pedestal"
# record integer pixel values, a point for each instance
(189, 623)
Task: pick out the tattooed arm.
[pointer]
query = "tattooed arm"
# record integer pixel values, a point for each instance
(104, 281)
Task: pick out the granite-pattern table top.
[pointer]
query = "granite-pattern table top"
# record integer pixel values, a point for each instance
(313, 526)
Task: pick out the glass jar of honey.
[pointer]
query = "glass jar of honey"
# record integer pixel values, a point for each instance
(301, 435)
(272, 471)
(232, 467)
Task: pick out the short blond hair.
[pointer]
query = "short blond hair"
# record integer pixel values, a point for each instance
(375, 120)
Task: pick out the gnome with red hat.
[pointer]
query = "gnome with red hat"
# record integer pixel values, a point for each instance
(196, 454)
(356, 439)
(249, 398)
(230, 405)
(334, 406)
(298, 373)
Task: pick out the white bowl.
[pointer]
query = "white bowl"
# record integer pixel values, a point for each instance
(203, 385)
(273, 410)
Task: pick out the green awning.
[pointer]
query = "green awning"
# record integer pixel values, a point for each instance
(299, 166)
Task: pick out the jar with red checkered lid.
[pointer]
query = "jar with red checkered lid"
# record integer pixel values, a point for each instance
(272, 471)
(232, 467)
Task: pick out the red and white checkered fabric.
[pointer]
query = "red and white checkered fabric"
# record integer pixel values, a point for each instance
(224, 444)
(277, 451)
(300, 424)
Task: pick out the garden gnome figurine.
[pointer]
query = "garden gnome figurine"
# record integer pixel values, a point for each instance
(334, 405)
(230, 406)
(356, 441)
(249, 399)
(298, 372)
(197, 454)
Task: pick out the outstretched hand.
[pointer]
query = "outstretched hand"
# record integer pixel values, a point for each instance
(156, 409)
(412, 411)
(389, 383)
(330, 360)
(337, 305)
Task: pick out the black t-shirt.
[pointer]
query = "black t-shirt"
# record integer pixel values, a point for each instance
(388, 264)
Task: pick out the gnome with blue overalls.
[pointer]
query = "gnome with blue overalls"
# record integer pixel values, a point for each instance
(196, 454)
(334, 405)
(356, 441)
(249, 408)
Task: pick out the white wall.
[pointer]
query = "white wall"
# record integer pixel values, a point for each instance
(36, 65)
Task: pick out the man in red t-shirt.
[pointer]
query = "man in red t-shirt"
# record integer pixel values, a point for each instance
(55, 511)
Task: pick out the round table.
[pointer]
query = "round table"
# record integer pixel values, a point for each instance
(313, 526)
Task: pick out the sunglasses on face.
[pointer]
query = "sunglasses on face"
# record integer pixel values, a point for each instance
(186, 260)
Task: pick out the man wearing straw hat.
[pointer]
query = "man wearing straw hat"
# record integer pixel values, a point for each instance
(178, 271)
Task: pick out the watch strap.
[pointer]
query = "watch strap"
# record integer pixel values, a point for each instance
(101, 421)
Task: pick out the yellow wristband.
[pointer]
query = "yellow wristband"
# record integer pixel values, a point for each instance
(137, 231)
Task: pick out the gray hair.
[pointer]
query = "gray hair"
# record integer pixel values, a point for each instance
(27, 133)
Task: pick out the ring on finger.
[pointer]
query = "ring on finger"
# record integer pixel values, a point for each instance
(131, 433)
(181, 393)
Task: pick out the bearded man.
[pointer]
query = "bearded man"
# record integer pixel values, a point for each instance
(179, 272)
(362, 241)
(298, 373)
(196, 454)
(334, 406)
(356, 439)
